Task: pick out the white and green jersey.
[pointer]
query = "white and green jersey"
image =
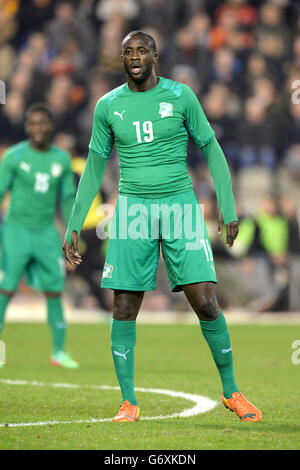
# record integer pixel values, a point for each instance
(150, 131)
(35, 181)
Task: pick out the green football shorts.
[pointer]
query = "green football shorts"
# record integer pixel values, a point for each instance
(141, 226)
(34, 252)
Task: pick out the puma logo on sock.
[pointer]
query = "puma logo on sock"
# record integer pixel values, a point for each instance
(116, 353)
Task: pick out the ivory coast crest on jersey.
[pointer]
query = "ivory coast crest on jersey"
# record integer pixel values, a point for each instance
(165, 109)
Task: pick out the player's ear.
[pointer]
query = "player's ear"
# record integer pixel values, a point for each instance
(155, 57)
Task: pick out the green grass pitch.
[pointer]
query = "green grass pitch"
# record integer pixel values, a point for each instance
(171, 357)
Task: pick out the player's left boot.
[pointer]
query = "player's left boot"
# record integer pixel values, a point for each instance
(242, 407)
(63, 359)
(127, 413)
(1, 365)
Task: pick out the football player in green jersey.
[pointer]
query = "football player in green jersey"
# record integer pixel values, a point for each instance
(36, 172)
(149, 119)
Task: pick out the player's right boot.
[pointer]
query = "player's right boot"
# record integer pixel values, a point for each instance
(63, 359)
(127, 413)
(242, 407)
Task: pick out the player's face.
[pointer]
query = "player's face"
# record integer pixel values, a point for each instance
(138, 59)
(39, 128)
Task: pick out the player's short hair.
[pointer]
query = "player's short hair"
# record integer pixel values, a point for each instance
(39, 107)
(150, 39)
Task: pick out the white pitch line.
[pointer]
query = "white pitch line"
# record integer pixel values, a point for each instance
(202, 404)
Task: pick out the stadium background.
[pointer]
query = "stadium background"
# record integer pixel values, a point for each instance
(242, 59)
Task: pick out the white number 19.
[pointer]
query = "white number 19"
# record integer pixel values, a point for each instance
(147, 130)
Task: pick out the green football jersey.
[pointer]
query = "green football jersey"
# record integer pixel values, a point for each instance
(150, 131)
(35, 180)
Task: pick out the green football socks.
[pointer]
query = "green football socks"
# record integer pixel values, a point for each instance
(4, 299)
(217, 336)
(57, 323)
(123, 339)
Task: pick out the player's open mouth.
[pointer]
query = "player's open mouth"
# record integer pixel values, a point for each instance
(136, 69)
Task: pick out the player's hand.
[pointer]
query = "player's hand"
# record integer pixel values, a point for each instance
(232, 230)
(71, 251)
(69, 268)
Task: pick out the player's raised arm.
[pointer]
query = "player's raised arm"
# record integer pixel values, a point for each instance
(204, 136)
(99, 150)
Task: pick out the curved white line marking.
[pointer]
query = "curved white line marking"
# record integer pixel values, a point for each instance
(202, 404)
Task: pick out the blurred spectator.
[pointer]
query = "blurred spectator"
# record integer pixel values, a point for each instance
(168, 17)
(200, 25)
(8, 19)
(289, 173)
(232, 17)
(242, 11)
(59, 100)
(271, 242)
(109, 56)
(226, 67)
(221, 110)
(255, 136)
(289, 209)
(291, 129)
(271, 20)
(69, 28)
(39, 52)
(34, 60)
(107, 9)
(296, 53)
(32, 16)
(7, 59)
(185, 50)
(273, 48)
(21, 81)
(11, 118)
(256, 67)
(263, 89)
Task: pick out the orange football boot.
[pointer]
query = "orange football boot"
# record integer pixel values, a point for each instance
(242, 407)
(127, 413)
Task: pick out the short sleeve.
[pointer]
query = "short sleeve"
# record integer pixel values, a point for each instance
(102, 136)
(195, 120)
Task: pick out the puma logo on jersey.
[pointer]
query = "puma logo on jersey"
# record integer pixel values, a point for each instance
(117, 353)
(25, 166)
(224, 351)
(120, 115)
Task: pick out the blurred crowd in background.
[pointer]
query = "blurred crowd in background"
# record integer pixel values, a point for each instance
(241, 58)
